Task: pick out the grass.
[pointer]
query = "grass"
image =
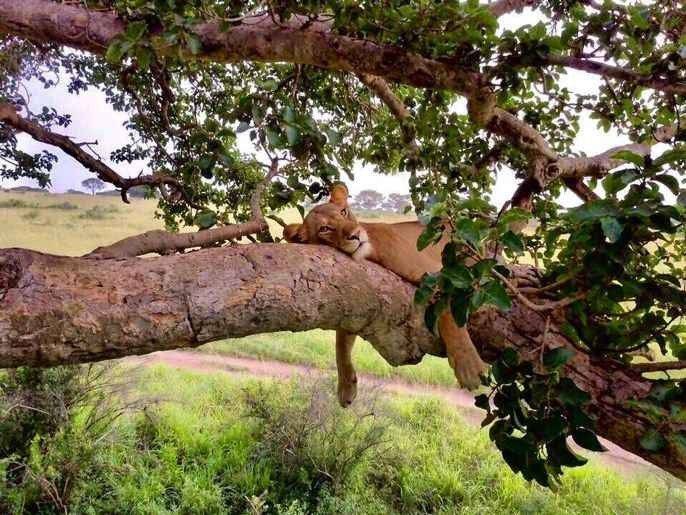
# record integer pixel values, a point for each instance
(200, 450)
(316, 349)
(64, 230)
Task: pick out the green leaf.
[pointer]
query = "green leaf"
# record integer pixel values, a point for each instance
(194, 43)
(593, 210)
(512, 241)
(469, 231)
(653, 441)
(135, 31)
(494, 293)
(274, 137)
(587, 439)
(514, 215)
(619, 180)
(205, 219)
(432, 312)
(459, 307)
(630, 157)
(292, 135)
(570, 394)
(560, 453)
(333, 136)
(668, 180)
(671, 156)
(459, 276)
(481, 401)
(115, 52)
(269, 84)
(611, 228)
(557, 357)
(430, 235)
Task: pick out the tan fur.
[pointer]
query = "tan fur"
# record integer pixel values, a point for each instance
(393, 246)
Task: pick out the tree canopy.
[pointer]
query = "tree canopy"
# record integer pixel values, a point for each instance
(447, 91)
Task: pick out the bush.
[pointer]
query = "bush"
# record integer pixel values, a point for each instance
(313, 444)
(99, 212)
(31, 216)
(67, 206)
(52, 422)
(15, 203)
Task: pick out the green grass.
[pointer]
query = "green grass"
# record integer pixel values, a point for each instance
(199, 451)
(316, 348)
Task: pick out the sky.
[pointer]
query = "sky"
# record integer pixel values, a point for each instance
(93, 119)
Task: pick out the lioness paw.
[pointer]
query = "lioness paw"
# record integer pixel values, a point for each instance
(468, 371)
(347, 391)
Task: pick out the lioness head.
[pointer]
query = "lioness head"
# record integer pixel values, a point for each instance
(332, 224)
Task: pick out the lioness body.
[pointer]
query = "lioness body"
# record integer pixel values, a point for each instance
(393, 246)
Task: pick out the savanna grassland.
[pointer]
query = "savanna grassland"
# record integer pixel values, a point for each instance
(156, 439)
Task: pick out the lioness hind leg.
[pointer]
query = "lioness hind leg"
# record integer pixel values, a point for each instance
(347, 379)
(462, 355)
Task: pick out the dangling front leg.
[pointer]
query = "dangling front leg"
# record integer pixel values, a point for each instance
(347, 379)
(462, 355)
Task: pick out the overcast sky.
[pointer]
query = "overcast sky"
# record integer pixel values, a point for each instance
(94, 119)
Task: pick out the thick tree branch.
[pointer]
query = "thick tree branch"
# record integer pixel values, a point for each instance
(10, 117)
(56, 310)
(501, 7)
(256, 39)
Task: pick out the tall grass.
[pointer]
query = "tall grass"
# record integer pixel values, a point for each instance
(213, 444)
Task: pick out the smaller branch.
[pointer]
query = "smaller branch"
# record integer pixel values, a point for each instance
(9, 115)
(501, 7)
(617, 72)
(163, 242)
(548, 306)
(659, 367)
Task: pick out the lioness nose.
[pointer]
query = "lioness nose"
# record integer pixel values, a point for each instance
(354, 236)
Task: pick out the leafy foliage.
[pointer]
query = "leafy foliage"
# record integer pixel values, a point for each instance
(618, 259)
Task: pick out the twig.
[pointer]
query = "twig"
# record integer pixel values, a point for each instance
(659, 366)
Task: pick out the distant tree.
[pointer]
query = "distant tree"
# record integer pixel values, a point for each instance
(368, 199)
(396, 202)
(93, 184)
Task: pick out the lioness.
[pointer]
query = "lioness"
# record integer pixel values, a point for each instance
(393, 246)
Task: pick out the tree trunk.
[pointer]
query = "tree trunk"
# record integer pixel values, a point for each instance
(56, 310)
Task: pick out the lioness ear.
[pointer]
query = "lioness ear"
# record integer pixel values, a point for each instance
(339, 194)
(295, 233)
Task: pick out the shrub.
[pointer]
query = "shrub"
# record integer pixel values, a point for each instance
(313, 444)
(99, 212)
(67, 206)
(52, 422)
(31, 216)
(15, 203)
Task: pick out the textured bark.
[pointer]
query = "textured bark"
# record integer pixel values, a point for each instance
(258, 39)
(56, 310)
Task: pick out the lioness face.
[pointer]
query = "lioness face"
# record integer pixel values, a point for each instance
(332, 224)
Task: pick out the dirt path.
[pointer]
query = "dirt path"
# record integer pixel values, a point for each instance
(616, 457)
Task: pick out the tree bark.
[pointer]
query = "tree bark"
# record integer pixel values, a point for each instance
(259, 39)
(57, 310)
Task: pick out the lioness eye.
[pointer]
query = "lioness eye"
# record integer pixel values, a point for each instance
(325, 228)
